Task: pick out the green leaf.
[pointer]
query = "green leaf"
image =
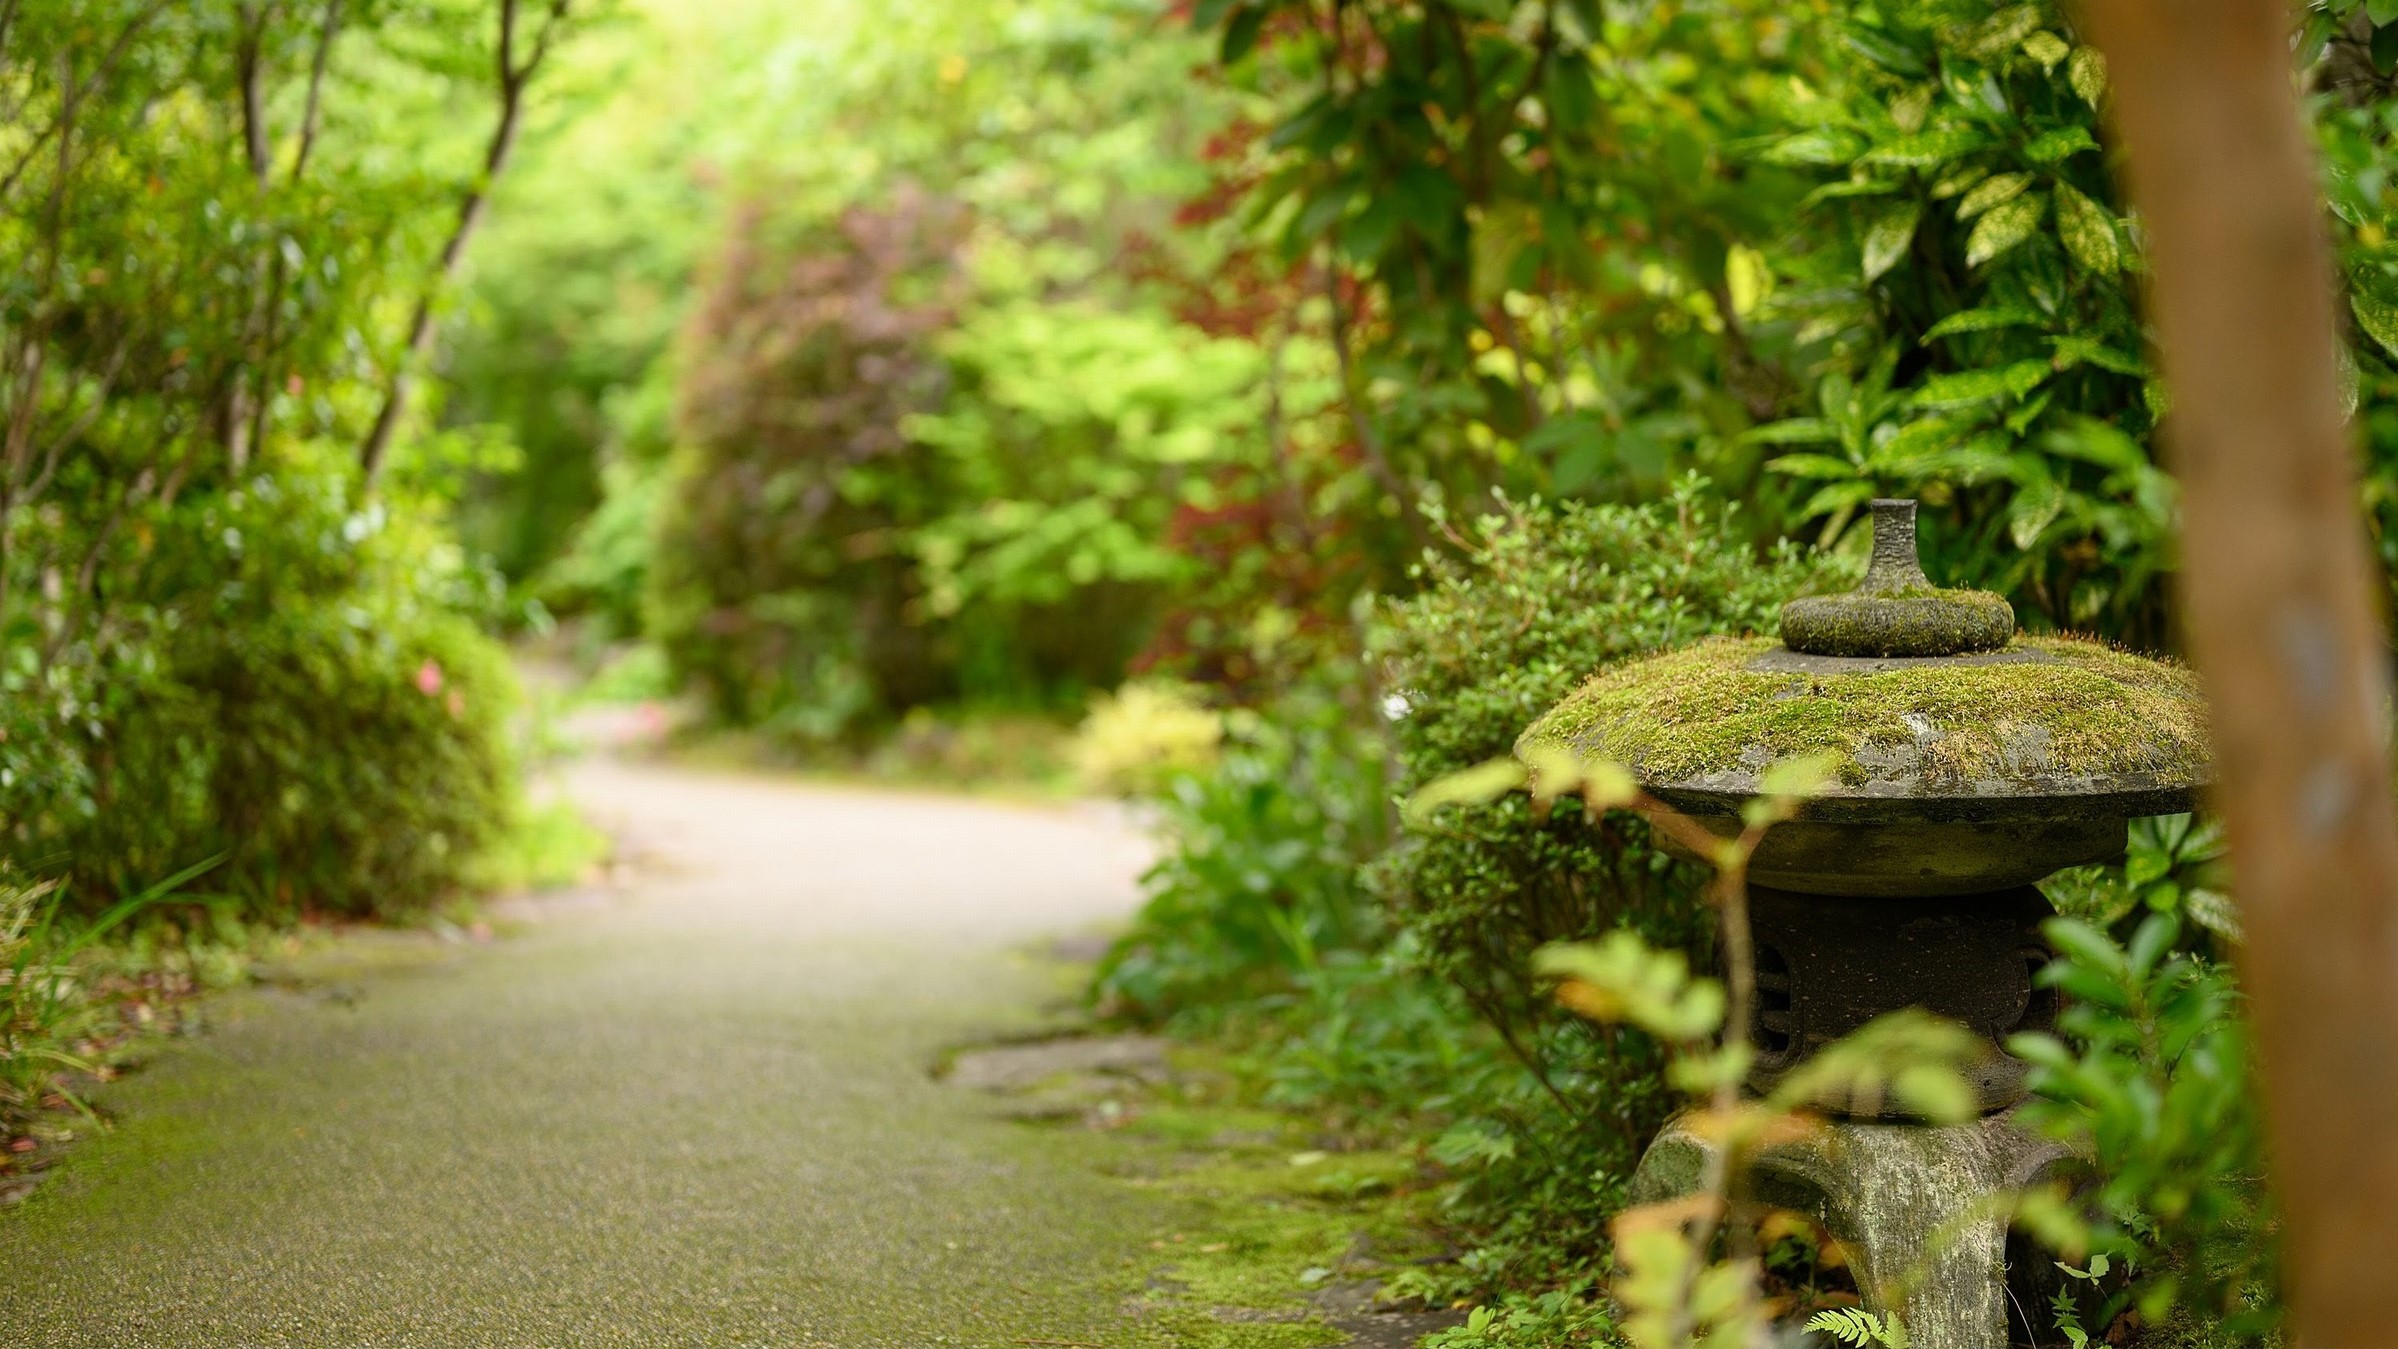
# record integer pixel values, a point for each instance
(2214, 911)
(1860, 1329)
(1801, 777)
(1811, 466)
(1982, 321)
(1959, 181)
(1621, 978)
(2035, 506)
(1838, 496)
(2005, 226)
(2004, 31)
(2086, 71)
(2055, 147)
(2046, 48)
(1993, 191)
(1240, 34)
(1555, 771)
(2027, 412)
(1882, 49)
(1968, 387)
(1819, 146)
(2072, 351)
(1796, 431)
(2095, 442)
(1886, 240)
(1748, 277)
(1319, 114)
(1922, 437)
(2085, 945)
(1909, 108)
(1983, 459)
(2314, 36)
(1572, 96)
(1371, 230)
(2381, 11)
(1854, 187)
(2378, 317)
(1480, 785)
(1925, 149)
(1591, 15)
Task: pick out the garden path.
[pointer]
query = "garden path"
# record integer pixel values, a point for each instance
(698, 1114)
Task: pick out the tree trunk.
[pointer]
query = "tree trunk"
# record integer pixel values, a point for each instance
(514, 77)
(2279, 594)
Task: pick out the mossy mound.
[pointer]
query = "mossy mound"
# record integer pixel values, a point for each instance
(1925, 622)
(2053, 715)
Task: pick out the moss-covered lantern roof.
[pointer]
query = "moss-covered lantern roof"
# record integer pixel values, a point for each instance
(1940, 722)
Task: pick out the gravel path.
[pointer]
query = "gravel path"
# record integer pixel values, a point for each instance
(696, 1115)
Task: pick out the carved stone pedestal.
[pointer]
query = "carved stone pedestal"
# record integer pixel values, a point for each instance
(1908, 1202)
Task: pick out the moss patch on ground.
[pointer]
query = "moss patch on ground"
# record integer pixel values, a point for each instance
(1279, 1226)
(2089, 711)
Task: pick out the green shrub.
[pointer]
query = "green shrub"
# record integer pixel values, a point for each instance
(1259, 881)
(1541, 599)
(1538, 599)
(2152, 1080)
(777, 588)
(309, 697)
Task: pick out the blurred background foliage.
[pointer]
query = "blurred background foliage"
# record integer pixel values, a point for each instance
(1310, 390)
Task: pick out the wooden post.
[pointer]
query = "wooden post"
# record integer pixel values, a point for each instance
(2279, 598)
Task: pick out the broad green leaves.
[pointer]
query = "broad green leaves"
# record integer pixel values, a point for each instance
(2035, 506)
(1887, 239)
(1995, 190)
(1968, 387)
(1982, 321)
(2054, 147)
(2087, 69)
(2378, 317)
(1925, 149)
(2046, 48)
(2088, 235)
(2003, 227)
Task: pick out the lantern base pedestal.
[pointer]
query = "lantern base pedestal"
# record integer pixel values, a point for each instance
(1909, 1203)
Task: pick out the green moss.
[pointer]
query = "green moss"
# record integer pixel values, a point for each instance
(2090, 711)
(1267, 1222)
(1919, 621)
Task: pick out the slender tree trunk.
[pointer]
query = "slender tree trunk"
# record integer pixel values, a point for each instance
(2280, 606)
(400, 387)
(514, 78)
(237, 413)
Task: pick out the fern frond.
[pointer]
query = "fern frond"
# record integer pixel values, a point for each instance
(1862, 1329)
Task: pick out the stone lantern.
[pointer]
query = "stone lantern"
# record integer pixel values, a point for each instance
(1973, 762)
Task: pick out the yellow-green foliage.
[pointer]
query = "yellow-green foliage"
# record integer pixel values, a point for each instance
(1702, 710)
(1136, 739)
